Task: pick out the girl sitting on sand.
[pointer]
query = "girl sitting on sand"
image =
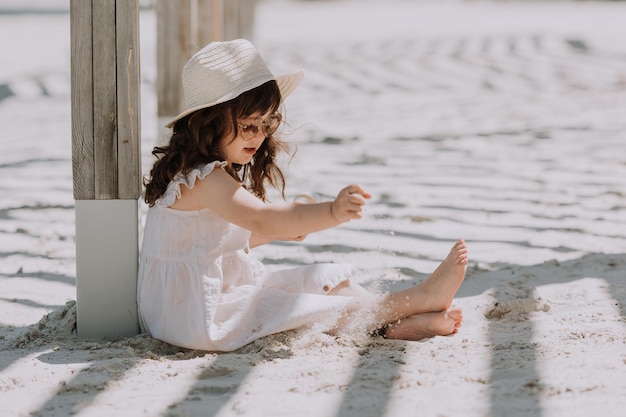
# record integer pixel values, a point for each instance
(198, 286)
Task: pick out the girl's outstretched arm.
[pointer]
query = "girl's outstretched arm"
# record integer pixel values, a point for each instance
(219, 192)
(258, 240)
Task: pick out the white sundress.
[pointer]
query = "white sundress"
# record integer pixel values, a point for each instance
(199, 288)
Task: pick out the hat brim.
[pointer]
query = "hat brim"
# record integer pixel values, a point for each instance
(286, 84)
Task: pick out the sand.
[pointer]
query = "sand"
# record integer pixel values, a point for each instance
(502, 123)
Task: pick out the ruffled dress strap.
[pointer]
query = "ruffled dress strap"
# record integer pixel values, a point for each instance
(173, 188)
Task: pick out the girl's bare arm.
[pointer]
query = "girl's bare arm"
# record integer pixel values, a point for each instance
(258, 240)
(219, 192)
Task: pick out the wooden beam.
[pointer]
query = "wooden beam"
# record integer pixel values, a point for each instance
(105, 99)
(128, 100)
(185, 26)
(82, 99)
(211, 27)
(245, 19)
(172, 44)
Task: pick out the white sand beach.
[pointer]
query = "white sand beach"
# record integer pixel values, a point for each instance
(503, 123)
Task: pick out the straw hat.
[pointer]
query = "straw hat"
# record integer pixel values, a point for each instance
(221, 71)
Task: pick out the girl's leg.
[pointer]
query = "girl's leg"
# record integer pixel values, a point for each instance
(425, 325)
(434, 295)
(418, 312)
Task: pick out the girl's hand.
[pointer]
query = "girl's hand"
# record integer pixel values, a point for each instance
(349, 203)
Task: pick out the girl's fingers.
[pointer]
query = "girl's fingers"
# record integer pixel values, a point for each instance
(356, 189)
(356, 199)
(350, 201)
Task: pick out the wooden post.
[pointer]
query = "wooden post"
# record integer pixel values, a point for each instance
(174, 48)
(238, 19)
(106, 163)
(185, 26)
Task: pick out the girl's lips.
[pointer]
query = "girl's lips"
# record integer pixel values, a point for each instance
(250, 151)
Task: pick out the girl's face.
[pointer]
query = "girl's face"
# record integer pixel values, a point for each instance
(251, 133)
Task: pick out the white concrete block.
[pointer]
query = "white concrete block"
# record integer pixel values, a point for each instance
(107, 257)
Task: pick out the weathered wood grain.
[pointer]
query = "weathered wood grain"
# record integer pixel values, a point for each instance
(82, 99)
(128, 100)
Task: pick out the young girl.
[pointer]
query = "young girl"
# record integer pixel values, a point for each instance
(198, 285)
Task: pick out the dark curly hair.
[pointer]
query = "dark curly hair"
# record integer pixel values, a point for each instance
(197, 140)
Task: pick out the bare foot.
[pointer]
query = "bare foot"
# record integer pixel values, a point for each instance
(434, 295)
(426, 325)
(441, 287)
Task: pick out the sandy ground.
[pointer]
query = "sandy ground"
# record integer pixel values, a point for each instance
(504, 124)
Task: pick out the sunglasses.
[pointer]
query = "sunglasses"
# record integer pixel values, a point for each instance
(268, 127)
